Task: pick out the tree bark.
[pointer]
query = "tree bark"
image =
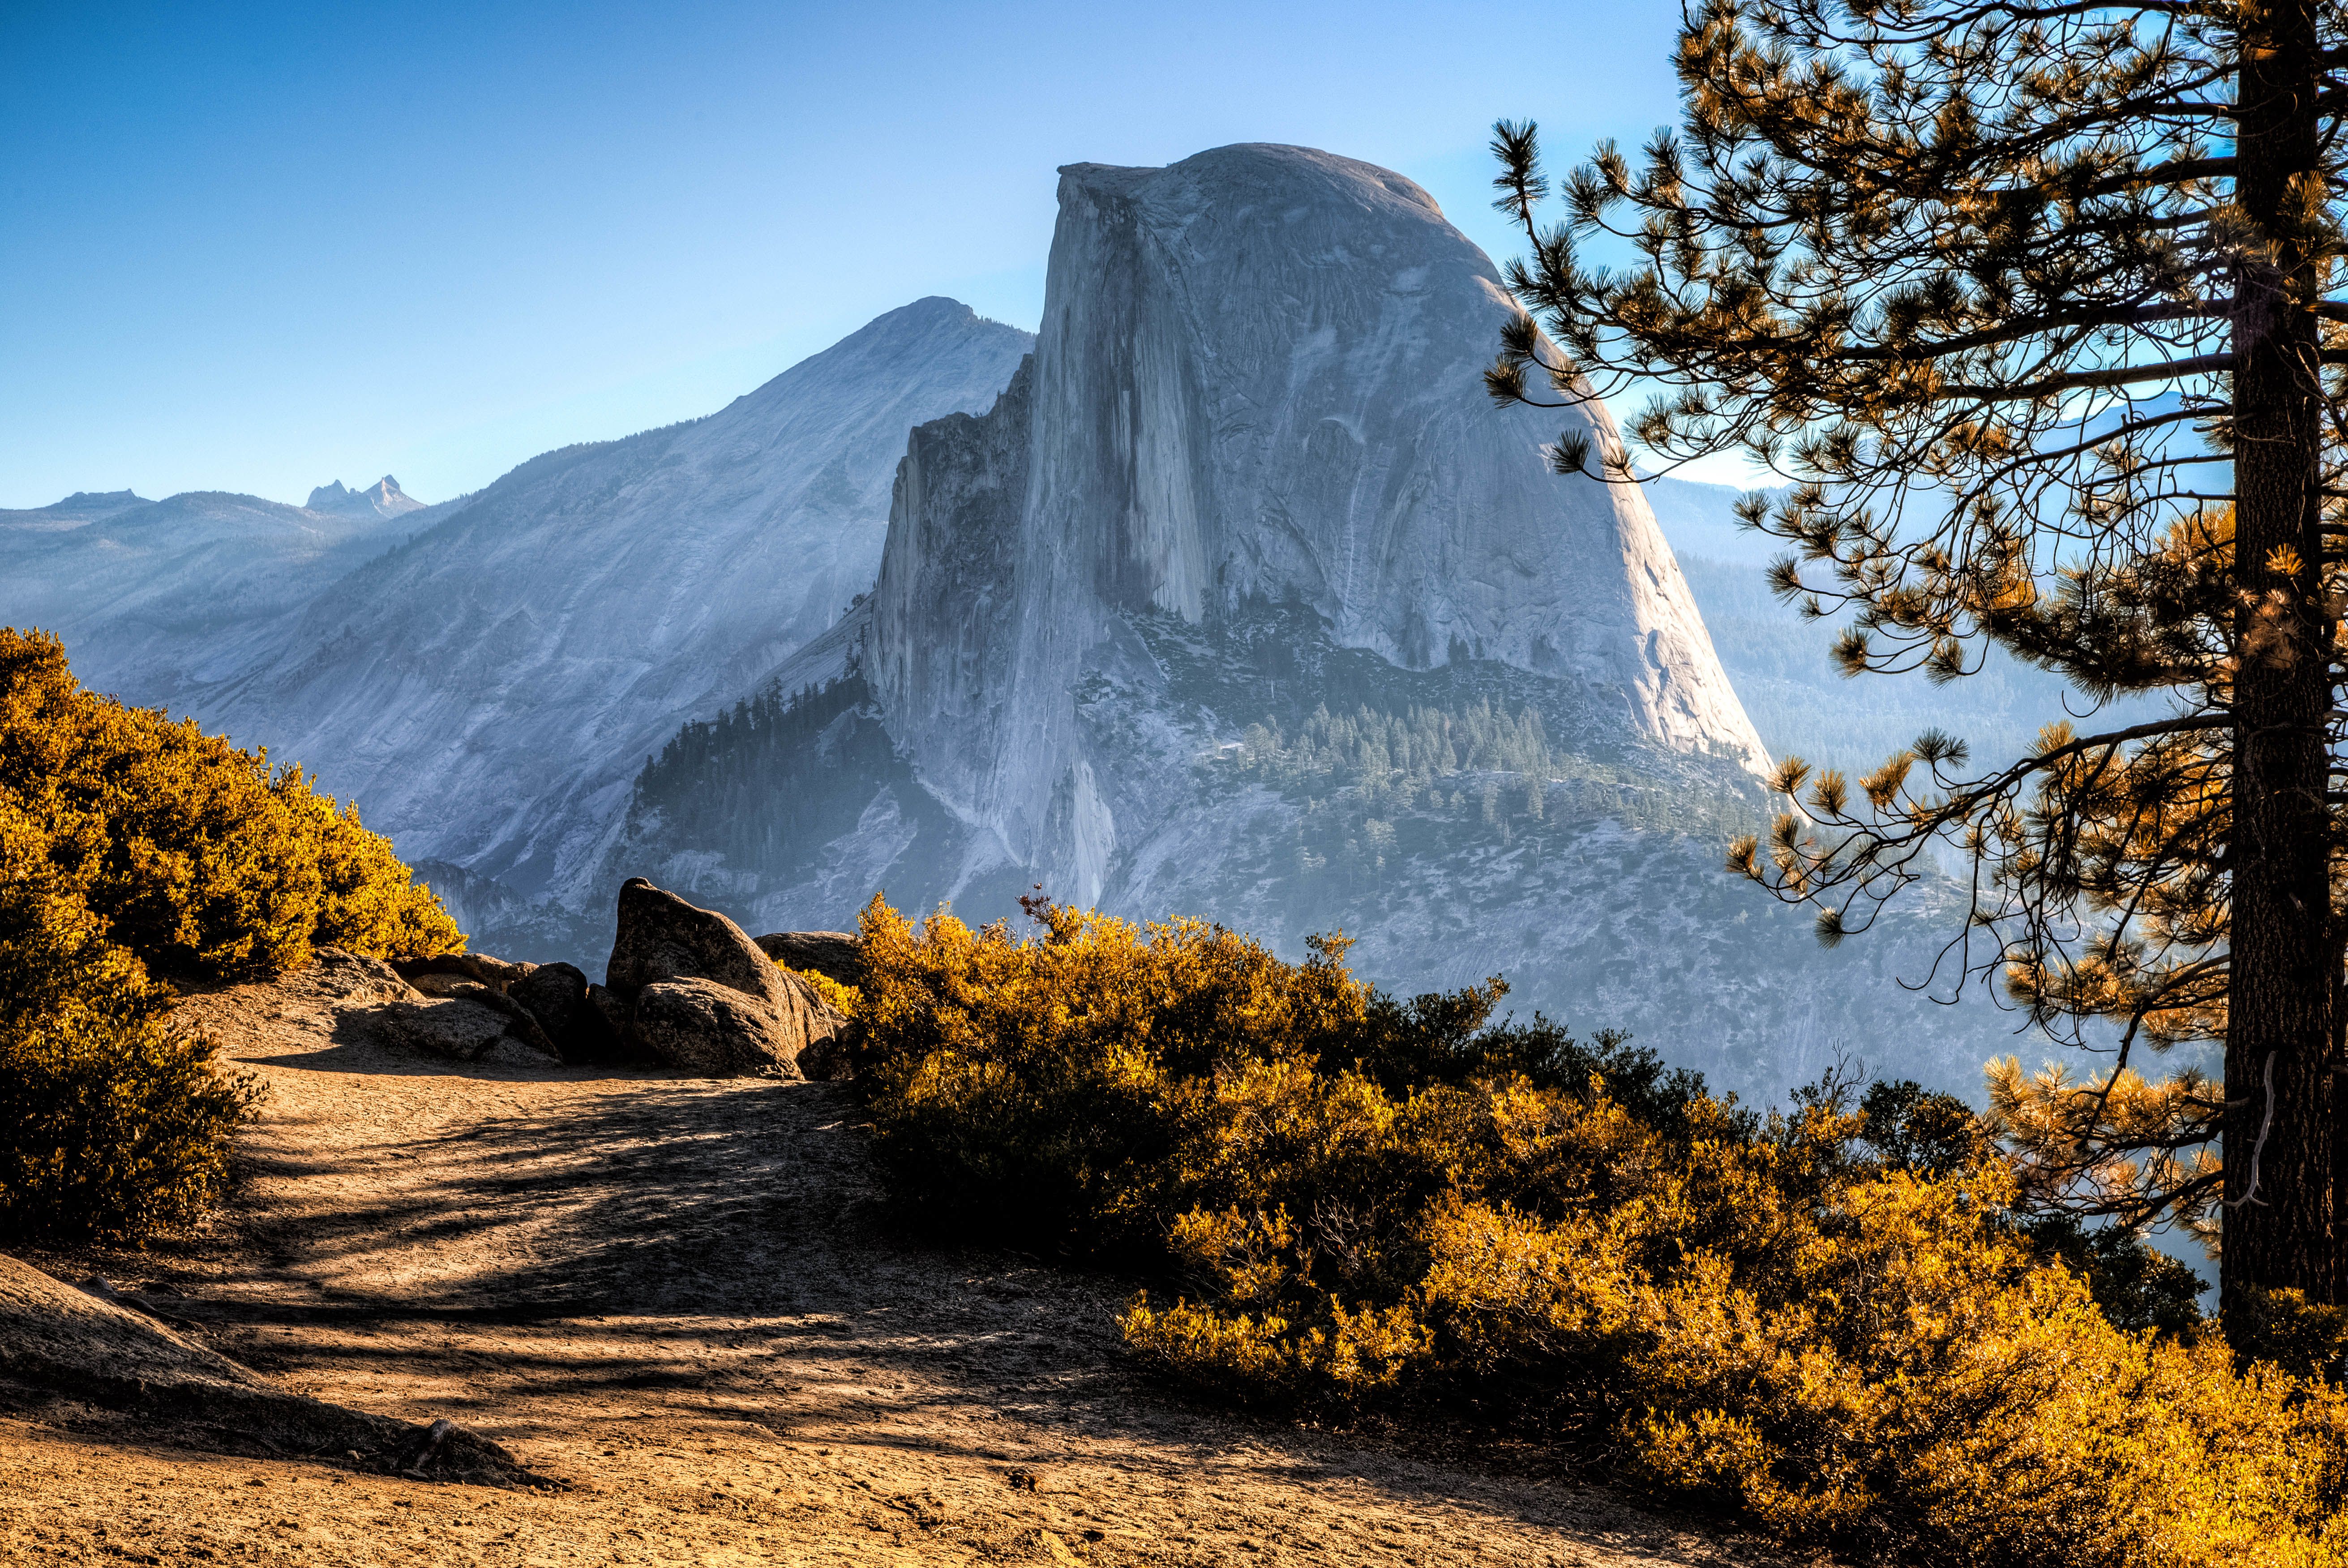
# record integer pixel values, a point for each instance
(2279, 1133)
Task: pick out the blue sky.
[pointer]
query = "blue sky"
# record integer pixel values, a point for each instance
(256, 248)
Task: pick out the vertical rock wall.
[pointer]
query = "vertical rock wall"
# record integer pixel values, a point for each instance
(1257, 379)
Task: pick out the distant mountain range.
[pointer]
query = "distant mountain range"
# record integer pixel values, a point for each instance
(1229, 595)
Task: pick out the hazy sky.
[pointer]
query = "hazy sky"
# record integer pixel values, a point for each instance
(257, 248)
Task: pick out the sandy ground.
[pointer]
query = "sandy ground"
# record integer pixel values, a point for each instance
(679, 1300)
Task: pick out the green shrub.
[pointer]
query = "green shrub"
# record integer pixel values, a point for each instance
(1831, 1318)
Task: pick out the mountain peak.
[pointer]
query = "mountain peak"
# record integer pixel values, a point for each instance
(382, 498)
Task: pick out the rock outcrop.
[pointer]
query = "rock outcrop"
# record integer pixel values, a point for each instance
(498, 974)
(701, 996)
(468, 1027)
(701, 1027)
(558, 997)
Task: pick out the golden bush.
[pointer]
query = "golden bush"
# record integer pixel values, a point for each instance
(198, 857)
(132, 847)
(1831, 1319)
(113, 1125)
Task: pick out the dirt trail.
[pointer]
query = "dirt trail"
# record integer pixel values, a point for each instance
(677, 1297)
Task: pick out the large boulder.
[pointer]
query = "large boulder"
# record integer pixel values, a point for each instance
(714, 1031)
(772, 1024)
(557, 996)
(662, 937)
(834, 955)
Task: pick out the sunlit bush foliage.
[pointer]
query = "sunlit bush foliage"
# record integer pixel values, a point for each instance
(198, 857)
(1830, 1318)
(113, 1125)
(131, 848)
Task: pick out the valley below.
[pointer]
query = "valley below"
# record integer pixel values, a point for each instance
(679, 1303)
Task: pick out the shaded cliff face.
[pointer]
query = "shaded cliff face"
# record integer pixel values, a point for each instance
(943, 626)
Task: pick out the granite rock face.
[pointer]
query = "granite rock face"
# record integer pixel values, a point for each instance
(709, 1030)
(699, 995)
(468, 1028)
(663, 937)
(1257, 383)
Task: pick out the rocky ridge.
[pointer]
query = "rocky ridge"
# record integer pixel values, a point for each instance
(490, 687)
(382, 498)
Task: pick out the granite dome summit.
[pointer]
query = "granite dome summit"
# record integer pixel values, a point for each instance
(1257, 381)
(1243, 600)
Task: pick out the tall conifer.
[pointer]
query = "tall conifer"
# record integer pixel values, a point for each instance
(2038, 308)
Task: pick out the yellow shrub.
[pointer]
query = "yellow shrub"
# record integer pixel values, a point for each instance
(845, 1000)
(1838, 1328)
(113, 1125)
(128, 844)
(198, 857)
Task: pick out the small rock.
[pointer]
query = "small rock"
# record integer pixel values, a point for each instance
(459, 1029)
(435, 984)
(505, 1051)
(518, 1022)
(479, 967)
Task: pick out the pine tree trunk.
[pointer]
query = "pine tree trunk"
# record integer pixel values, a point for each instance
(2279, 1130)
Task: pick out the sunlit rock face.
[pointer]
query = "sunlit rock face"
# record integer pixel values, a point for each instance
(1258, 382)
(1258, 377)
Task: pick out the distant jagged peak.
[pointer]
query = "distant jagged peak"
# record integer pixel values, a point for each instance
(382, 498)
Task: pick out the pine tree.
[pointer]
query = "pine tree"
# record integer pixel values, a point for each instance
(2028, 303)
